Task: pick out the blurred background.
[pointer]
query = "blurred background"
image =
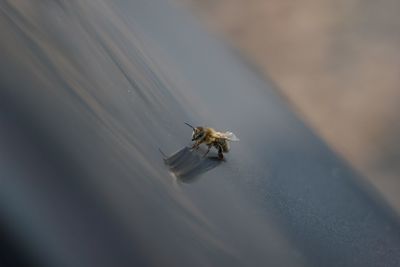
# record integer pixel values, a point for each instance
(338, 63)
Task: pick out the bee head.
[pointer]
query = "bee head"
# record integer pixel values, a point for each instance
(198, 133)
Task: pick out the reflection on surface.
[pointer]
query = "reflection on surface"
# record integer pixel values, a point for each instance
(188, 165)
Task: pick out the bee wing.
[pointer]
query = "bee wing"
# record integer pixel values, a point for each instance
(230, 136)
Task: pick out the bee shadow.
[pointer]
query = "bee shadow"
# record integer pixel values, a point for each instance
(188, 165)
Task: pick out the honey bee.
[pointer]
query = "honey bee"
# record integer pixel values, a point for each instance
(212, 138)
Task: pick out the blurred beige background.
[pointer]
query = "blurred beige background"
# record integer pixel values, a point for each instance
(337, 61)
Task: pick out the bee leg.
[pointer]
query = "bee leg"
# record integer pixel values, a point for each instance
(195, 146)
(220, 155)
(208, 150)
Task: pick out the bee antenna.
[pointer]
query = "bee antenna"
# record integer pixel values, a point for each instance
(189, 125)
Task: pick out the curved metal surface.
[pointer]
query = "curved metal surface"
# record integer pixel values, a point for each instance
(89, 93)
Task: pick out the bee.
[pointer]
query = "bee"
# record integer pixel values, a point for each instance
(212, 138)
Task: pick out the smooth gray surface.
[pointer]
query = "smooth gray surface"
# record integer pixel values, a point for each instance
(90, 90)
